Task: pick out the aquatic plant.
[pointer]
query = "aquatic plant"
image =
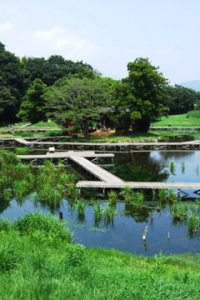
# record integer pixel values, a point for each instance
(71, 178)
(183, 167)
(127, 193)
(20, 170)
(98, 211)
(63, 178)
(80, 208)
(197, 170)
(172, 196)
(193, 222)
(137, 199)
(180, 211)
(108, 214)
(162, 195)
(172, 167)
(46, 193)
(22, 151)
(30, 178)
(72, 191)
(7, 157)
(112, 198)
(58, 196)
(20, 188)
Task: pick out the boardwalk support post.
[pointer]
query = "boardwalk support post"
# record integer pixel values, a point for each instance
(145, 233)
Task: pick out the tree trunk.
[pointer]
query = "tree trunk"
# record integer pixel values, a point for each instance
(142, 125)
(84, 127)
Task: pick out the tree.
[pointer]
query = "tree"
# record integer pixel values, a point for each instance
(11, 85)
(80, 100)
(52, 69)
(141, 97)
(181, 99)
(33, 108)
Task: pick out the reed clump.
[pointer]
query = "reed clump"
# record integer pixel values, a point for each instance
(22, 151)
(112, 198)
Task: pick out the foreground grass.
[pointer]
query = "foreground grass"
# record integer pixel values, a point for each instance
(178, 121)
(37, 261)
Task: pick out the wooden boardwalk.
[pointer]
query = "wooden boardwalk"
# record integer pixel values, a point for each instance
(138, 185)
(66, 154)
(96, 170)
(79, 159)
(107, 147)
(107, 180)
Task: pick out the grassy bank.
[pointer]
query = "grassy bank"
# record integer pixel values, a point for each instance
(178, 121)
(38, 261)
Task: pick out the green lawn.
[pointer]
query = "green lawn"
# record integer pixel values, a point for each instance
(178, 120)
(173, 120)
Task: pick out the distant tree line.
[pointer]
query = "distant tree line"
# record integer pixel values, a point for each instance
(17, 77)
(34, 89)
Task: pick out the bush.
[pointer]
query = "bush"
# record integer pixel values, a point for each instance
(49, 225)
(193, 114)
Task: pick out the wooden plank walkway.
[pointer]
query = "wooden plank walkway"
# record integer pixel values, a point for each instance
(138, 185)
(125, 144)
(96, 170)
(67, 154)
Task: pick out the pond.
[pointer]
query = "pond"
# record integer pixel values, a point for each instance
(124, 232)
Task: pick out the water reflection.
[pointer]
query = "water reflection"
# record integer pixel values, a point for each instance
(139, 166)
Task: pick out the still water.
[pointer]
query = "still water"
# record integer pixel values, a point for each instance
(125, 233)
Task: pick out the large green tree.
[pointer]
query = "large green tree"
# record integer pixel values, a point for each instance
(33, 107)
(80, 100)
(141, 97)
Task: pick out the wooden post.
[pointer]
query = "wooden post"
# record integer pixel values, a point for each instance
(145, 233)
(60, 215)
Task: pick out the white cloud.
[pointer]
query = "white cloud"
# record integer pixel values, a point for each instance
(6, 27)
(60, 41)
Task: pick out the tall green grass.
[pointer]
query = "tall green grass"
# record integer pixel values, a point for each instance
(37, 263)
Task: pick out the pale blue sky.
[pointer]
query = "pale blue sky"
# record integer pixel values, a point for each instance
(107, 33)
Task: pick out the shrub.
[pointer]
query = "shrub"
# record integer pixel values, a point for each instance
(49, 225)
(193, 114)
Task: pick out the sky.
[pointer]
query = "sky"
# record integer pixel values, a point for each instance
(107, 34)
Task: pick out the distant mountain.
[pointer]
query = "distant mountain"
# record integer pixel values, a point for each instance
(194, 84)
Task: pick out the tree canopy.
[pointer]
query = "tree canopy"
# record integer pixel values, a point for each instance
(182, 99)
(33, 107)
(80, 100)
(141, 97)
(11, 84)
